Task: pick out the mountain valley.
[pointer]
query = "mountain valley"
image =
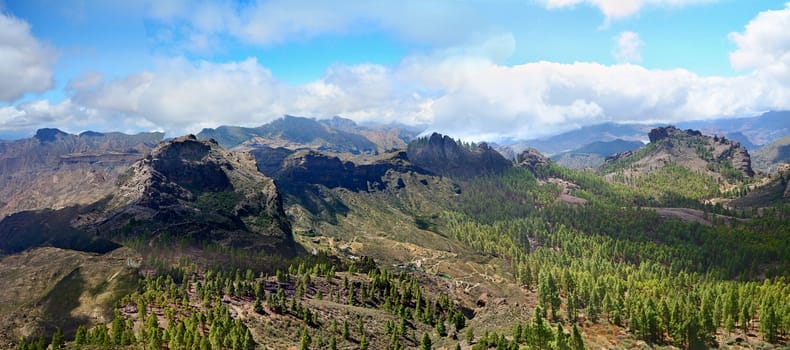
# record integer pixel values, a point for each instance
(325, 234)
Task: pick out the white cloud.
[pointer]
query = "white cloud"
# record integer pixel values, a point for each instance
(464, 96)
(618, 9)
(274, 21)
(628, 47)
(25, 63)
(765, 43)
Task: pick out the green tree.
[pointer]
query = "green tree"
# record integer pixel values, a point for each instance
(363, 342)
(304, 343)
(426, 343)
(577, 343)
(57, 339)
(80, 337)
(561, 342)
(769, 322)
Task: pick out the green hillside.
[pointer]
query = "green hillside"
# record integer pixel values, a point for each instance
(538, 258)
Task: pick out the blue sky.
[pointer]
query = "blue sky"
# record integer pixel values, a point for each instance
(474, 69)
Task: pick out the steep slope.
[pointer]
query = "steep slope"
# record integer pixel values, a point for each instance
(444, 156)
(45, 288)
(195, 189)
(773, 190)
(54, 169)
(768, 157)
(185, 189)
(714, 156)
(594, 154)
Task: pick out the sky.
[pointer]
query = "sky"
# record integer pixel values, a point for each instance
(473, 69)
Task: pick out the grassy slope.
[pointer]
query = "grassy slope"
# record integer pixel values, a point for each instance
(44, 288)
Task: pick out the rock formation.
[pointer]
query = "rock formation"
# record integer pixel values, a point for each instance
(442, 155)
(196, 189)
(532, 159)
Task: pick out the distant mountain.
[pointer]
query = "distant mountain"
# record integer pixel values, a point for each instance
(711, 155)
(759, 130)
(767, 158)
(444, 156)
(594, 154)
(386, 136)
(751, 132)
(54, 169)
(576, 139)
(337, 135)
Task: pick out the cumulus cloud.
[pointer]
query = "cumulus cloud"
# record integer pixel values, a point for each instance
(764, 44)
(66, 115)
(25, 63)
(272, 22)
(618, 9)
(465, 96)
(628, 47)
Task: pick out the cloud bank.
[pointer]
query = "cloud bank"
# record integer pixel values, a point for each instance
(25, 63)
(464, 91)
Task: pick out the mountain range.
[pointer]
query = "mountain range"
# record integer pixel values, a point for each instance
(312, 225)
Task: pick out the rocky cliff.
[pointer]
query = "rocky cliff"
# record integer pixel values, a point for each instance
(442, 155)
(312, 167)
(54, 169)
(196, 189)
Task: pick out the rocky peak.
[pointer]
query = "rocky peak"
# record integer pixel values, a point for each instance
(444, 156)
(531, 159)
(198, 188)
(665, 132)
(48, 134)
(717, 156)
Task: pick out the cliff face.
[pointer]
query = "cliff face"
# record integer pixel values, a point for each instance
(441, 155)
(198, 190)
(311, 167)
(54, 169)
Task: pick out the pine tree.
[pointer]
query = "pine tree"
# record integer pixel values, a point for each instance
(426, 343)
(440, 329)
(80, 338)
(57, 339)
(769, 322)
(363, 343)
(577, 343)
(257, 307)
(561, 343)
(346, 334)
(304, 344)
(470, 335)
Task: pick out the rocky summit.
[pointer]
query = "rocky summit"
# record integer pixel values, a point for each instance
(201, 191)
(532, 159)
(444, 156)
(716, 156)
